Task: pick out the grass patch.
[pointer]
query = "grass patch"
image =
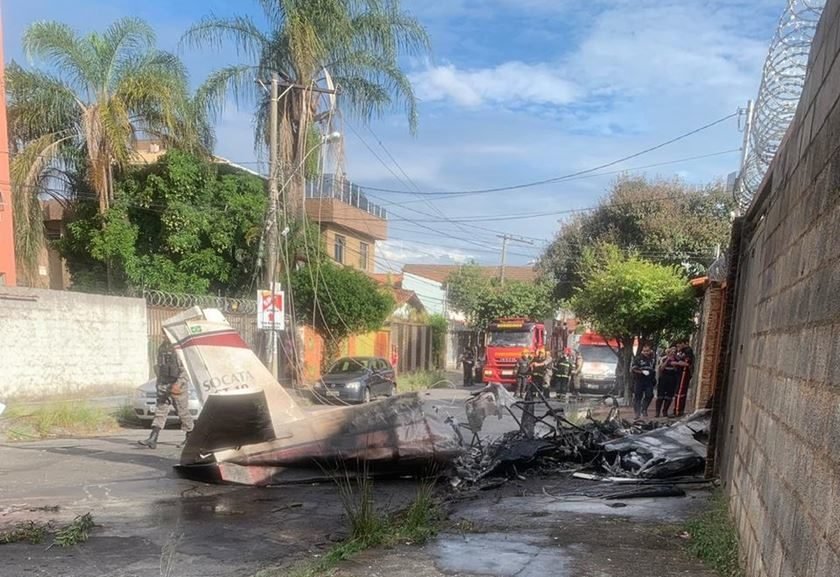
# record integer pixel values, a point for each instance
(55, 419)
(370, 527)
(29, 532)
(714, 539)
(77, 531)
(423, 380)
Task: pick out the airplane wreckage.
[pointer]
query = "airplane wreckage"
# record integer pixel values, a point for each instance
(252, 431)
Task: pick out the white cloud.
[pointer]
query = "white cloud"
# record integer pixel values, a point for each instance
(509, 83)
(395, 253)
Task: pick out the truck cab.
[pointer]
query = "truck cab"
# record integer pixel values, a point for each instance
(504, 342)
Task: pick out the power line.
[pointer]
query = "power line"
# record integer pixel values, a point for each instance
(567, 176)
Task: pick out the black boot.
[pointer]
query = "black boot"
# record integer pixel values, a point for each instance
(151, 442)
(184, 442)
(666, 407)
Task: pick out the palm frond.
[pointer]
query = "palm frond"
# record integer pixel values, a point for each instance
(124, 39)
(28, 170)
(237, 80)
(62, 49)
(38, 104)
(212, 32)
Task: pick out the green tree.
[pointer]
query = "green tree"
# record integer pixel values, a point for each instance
(482, 299)
(338, 301)
(357, 42)
(439, 326)
(629, 298)
(666, 221)
(183, 224)
(81, 113)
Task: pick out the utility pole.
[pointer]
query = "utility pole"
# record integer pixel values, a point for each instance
(505, 238)
(271, 224)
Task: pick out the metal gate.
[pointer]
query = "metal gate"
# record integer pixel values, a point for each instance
(414, 346)
(240, 313)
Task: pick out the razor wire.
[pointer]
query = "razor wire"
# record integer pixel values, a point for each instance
(782, 82)
(185, 301)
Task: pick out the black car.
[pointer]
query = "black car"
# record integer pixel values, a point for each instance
(356, 380)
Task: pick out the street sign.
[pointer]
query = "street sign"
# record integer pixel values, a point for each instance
(270, 312)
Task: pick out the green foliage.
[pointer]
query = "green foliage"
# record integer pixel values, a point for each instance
(714, 539)
(181, 225)
(80, 112)
(339, 301)
(482, 299)
(57, 419)
(78, 531)
(628, 298)
(666, 221)
(29, 532)
(423, 380)
(439, 326)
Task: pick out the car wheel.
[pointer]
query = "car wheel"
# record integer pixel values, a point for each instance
(367, 396)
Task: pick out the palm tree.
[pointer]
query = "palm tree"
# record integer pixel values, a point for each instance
(82, 113)
(357, 42)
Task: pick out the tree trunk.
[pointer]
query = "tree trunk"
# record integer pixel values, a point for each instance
(625, 359)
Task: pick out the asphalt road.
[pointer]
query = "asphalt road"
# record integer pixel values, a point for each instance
(150, 522)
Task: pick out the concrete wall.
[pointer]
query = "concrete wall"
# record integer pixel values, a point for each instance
(56, 342)
(780, 458)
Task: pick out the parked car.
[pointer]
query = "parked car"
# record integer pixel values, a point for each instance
(598, 370)
(357, 380)
(144, 401)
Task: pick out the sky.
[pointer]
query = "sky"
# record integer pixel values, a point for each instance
(514, 91)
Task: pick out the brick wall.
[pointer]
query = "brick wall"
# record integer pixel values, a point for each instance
(56, 342)
(712, 323)
(780, 437)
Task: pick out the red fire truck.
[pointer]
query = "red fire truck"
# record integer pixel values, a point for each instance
(504, 342)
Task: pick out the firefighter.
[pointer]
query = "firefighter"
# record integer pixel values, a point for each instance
(523, 368)
(172, 390)
(563, 368)
(685, 361)
(468, 361)
(539, 370)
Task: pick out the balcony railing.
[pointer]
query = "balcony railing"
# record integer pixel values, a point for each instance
(332, 186)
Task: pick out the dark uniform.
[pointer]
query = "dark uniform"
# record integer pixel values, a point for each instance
(644, 376)
(539, 370)
(523, 369)
(563, 373)
(685, 358)
(172, 391)
(666, 387)
(468, 360)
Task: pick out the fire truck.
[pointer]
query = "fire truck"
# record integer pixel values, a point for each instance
(504, 341)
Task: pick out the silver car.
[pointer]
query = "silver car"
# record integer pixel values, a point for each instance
(145, 397)
(356, 380)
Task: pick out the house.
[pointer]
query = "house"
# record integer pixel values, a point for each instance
(350, 224)
(429, 282)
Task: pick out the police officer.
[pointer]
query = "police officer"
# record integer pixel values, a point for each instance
(644, 376)
(468, 361)
(172, 389)
(523, 368)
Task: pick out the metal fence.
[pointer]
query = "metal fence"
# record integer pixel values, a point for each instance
(414, 345)
(240, 313)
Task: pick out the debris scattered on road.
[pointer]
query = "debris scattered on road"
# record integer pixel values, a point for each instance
(610, 449)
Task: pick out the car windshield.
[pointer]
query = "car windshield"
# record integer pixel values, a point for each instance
(598, 354)
(348, 366)
(509, 339)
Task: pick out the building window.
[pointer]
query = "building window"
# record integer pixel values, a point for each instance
(338, 254)
(363, 255)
